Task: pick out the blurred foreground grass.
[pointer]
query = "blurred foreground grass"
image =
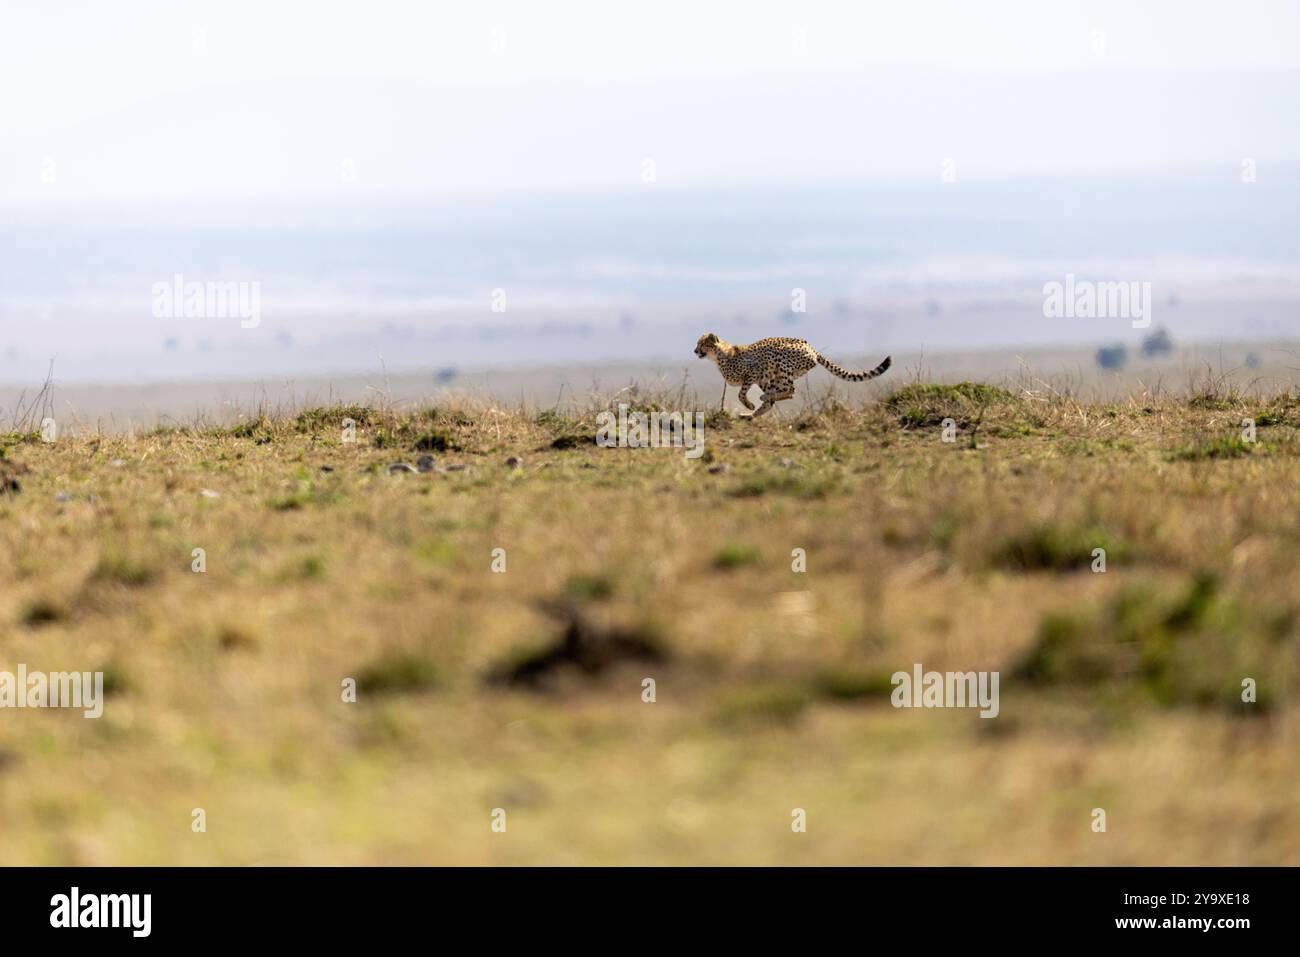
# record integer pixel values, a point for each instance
(522, 689)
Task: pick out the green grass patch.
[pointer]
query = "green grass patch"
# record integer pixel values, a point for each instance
(766, 704)
(261, 430)
(1191, 649)
(852, 684)
(1058, 548)
(1234, 447)
(333, 417)
(928, 404)
(589, 588)
(787, 482)
(120, 568)
(556, 421)
(400, 673)
(735, 556)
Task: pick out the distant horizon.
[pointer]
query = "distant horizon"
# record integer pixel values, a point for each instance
(118, 406)
(545, 278)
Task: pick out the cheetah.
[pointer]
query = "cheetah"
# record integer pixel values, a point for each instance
(771, 364)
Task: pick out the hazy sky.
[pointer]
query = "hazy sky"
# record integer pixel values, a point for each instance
(133, 100)
(63, 60)
(366, 163)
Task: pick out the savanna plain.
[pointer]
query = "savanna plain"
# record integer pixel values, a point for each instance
(500, 603)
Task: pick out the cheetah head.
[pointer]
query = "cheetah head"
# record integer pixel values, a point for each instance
(708, 343)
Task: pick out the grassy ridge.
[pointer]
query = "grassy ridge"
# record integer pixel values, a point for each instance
(522, 689)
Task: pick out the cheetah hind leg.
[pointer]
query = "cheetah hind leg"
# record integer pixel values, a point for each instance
(774, 394)
(744, 395)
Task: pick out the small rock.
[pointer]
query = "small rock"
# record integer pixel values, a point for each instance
(117, 463)
(208, 493)
(789, 464)
(327, 468)
(400, 467)
(425, 463)
(456, 467)
(73, 497)
(9, 472)
(719, 469)
(236, 639)
(514, 462)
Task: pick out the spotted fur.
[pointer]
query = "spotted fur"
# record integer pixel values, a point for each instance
(773, 365)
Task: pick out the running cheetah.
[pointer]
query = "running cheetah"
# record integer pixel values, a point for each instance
(771, 364)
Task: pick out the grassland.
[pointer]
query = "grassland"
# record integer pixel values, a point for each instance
(523, 689)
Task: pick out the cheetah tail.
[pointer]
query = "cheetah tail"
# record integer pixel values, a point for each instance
(853, 376)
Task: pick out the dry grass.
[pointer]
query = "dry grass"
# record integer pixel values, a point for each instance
(523, 690)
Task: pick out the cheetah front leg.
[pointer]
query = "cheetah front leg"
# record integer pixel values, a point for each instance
(772, 394)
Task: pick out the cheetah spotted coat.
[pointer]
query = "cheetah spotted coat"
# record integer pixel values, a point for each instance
(773, 365)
